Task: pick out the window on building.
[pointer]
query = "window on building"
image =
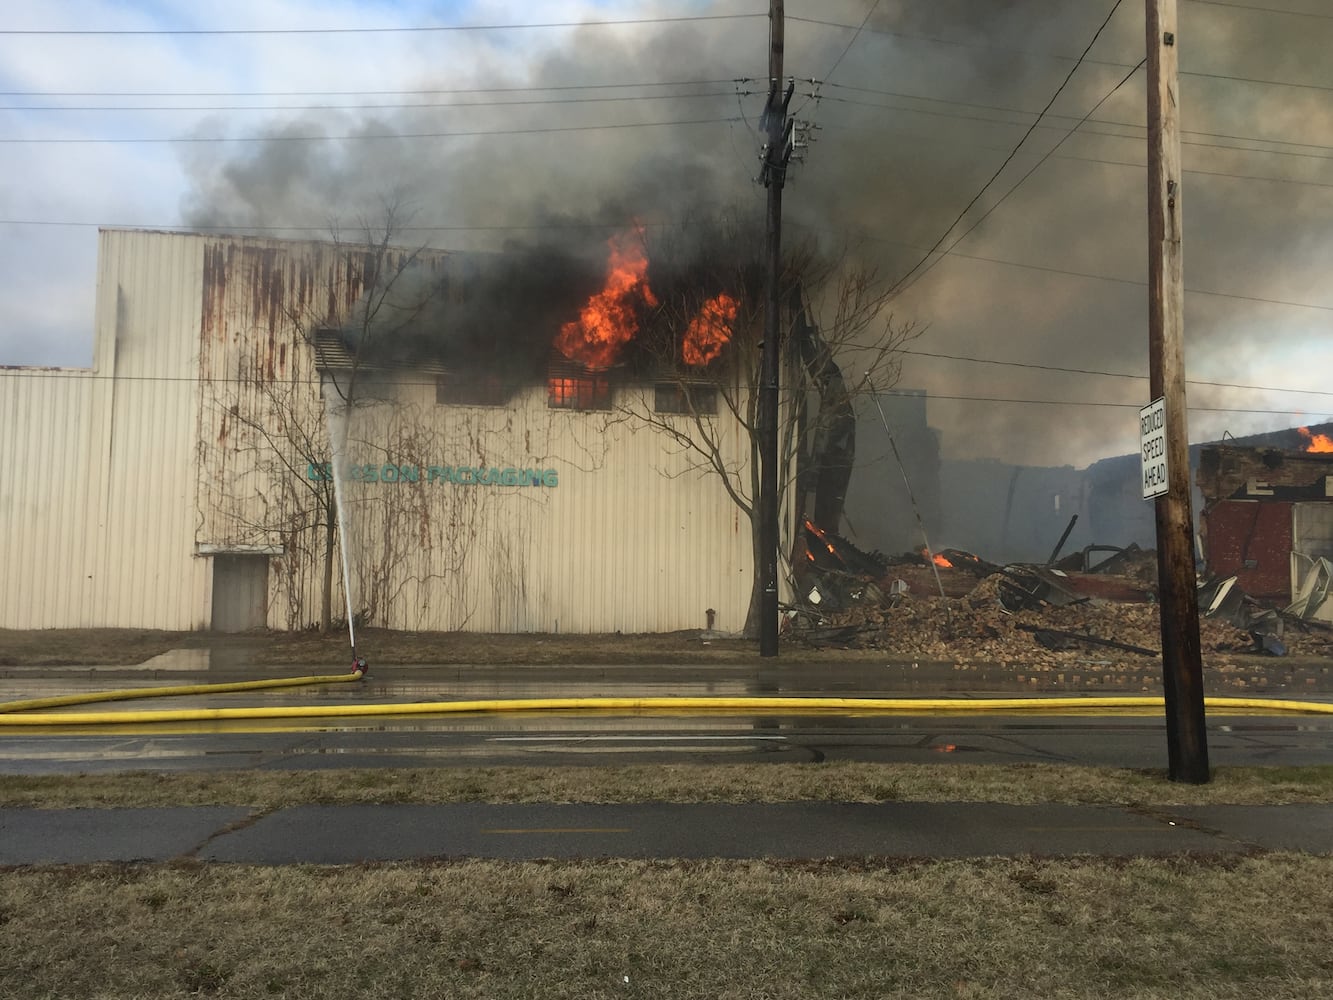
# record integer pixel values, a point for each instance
(586, 391)
(670, 397)
(457, 389)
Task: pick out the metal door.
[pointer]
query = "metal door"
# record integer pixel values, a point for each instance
(240, 592)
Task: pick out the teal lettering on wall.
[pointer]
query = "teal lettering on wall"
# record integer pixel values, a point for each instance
(459, 475)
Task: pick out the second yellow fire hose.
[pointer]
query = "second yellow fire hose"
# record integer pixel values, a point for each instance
(21, 713)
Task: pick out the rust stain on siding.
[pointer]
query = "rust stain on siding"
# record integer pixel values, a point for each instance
(214, 292)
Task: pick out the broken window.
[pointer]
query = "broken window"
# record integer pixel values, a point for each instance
(581, 392)
(671, 397)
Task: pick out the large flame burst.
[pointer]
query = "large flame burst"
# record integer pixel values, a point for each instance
(610, 319)
(1318, 442)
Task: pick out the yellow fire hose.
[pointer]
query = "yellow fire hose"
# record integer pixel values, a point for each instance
(130, 694)
(621, 705)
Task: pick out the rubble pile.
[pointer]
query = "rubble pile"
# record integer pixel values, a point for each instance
(997, 619)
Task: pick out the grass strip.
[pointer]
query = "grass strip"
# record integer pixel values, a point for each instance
(842, 781)
(1180, 928)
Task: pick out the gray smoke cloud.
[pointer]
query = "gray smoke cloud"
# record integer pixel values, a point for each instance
(918, 114)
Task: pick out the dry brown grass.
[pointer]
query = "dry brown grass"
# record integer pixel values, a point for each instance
(64, 647)
(1080, 928)
(110, 647)
(829, 782)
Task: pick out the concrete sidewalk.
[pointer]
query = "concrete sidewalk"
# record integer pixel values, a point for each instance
(356, 833)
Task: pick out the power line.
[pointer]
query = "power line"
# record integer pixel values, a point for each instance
(465, 134)
(371, 93)
(620, 224)
(952, 252)
(1197, 173)
(959, 43)
(852, 41)
(387, 30)
(88, 374)
(1133, 281)
(971, 144)
(174, 227)
(1021, 111)
(385, 107)
(1033, 169)
(1106, 374)
(1098, 121)
(1262, 10)
(1267, 83)
(905, 280)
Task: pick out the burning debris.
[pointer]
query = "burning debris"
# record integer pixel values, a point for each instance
(1018, 613)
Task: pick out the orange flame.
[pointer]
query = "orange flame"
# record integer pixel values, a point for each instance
(709, 332)
(1318, 442)
(818, 532)
(609, 320)
(939, 560)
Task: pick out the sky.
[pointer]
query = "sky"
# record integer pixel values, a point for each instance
(495, 124)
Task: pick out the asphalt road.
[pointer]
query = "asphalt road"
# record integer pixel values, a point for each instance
(369, 833)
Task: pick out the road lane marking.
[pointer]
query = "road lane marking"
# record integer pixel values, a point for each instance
(1092, 829)
(562, 829)
(627, 739)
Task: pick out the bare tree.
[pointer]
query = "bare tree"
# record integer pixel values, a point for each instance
(704, 345)
(282, 416)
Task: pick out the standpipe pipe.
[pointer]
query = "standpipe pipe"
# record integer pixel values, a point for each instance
(656, 704)
(129, 694)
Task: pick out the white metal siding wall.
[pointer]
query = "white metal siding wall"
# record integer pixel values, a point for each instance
(148, 322)
(49, 481)
(632, 539)
(107, 532)
(136, 472)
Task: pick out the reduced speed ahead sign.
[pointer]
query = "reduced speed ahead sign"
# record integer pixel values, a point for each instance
(1152, 447)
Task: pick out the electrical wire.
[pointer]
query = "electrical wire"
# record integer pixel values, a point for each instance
(513, 387)
(387, 30)
(378, 107)
(371, 93)
(1195, 172)
(1139, 128)
(618, 225)
(905, 281)
(1261, 10)
(852, 41)
(461, 134)
(1106, 374)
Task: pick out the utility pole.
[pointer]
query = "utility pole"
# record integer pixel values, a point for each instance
(1182, 667)
(777, 151)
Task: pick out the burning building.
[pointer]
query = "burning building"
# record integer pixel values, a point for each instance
(533, 473)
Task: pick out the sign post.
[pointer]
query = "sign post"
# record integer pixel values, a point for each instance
(1182, 667)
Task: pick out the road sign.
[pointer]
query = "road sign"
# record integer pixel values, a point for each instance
(1152, 448)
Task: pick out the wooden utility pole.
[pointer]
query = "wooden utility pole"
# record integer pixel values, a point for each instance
(776, 153)
(1182, 667)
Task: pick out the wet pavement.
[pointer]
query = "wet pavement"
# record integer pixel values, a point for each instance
(572, 739)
